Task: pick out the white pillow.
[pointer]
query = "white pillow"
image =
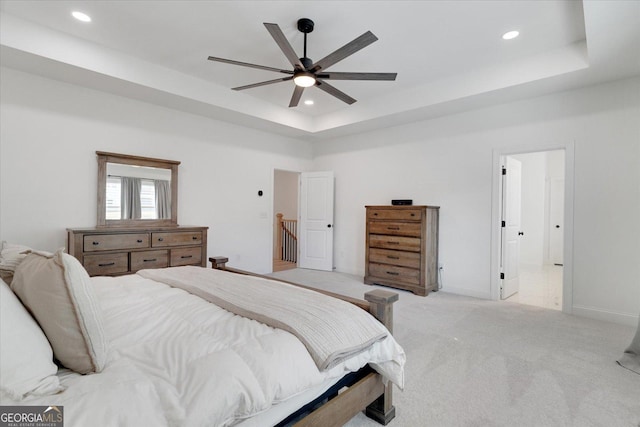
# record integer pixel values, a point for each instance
(59, 293)
(26, 358)
(10, 256)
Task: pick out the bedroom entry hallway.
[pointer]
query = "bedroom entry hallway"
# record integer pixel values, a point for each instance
(303, 220)
(532, 228)
(285, 216)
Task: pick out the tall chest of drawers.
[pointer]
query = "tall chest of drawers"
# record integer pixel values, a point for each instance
(111, 252)
(402, 247)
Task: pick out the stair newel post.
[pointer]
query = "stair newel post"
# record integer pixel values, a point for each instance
(279, 239)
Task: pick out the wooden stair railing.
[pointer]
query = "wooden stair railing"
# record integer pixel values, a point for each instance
(287, 243)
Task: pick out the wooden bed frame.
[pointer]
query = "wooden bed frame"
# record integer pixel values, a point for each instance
(367, 391)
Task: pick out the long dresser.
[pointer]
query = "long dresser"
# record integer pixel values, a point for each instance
(402, 247)
(111, 252)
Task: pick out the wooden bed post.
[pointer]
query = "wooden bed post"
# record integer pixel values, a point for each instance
(381, 307)
(219, 262)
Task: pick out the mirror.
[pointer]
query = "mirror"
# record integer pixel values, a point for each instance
(136, 191)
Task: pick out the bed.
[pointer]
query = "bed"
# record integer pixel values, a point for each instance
(155, 352)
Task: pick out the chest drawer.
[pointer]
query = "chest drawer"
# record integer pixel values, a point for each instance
(404, 259)
(410, 229)
(185, 256)
(181, 238)
(394, 214)
(399, 243)
(394, 273)
(107, 242)
(106, 264)
(149, 259)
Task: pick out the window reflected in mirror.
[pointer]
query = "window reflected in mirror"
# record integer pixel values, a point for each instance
(137, 192)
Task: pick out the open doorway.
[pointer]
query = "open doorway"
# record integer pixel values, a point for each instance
(533, 231)
(285, 214)
(532, 228)
(303, 220)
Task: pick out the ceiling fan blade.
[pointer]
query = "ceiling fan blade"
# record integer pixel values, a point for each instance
(349, 49)
(295, 98)
(335, 92)
(246, 64)
(284, 45)
(268, 82)
(357, 76)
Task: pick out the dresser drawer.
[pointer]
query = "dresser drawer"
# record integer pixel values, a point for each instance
(404, 259)
(181, 238)
(149, 259)
(399, 243)
(186, 256)
(394, 273)
(394, 214)
(105, 264)
(107, 242)
(410, 229)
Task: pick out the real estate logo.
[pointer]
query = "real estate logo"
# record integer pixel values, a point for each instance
(31, 416)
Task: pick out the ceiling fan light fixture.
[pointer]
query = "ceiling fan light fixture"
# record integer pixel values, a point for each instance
(304, 79)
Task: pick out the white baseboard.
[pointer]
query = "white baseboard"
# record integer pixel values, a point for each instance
(467, 292)
(608, 316)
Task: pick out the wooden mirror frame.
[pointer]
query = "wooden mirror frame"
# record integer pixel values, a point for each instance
(104, 158)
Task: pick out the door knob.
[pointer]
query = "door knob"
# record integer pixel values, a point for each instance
(328, 225)
(557, 226)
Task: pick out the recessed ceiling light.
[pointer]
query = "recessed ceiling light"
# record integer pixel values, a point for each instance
(510, 35)
(308, 102)
(81, 16)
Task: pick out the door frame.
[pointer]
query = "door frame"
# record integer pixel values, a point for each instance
(496, 213)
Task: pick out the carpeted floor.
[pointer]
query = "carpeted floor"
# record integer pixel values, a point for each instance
(473, 362)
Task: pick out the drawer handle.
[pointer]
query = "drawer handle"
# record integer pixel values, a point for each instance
(108, 264)
(186, 256)
(392, 273)
(160, 239)
(139, 240)
(393, 257)
(413, 214)
(150, 260)
(393, 228)
(393, 243)
(194, 238)
(96, 243)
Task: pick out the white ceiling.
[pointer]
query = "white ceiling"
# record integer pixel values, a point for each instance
(449, 55)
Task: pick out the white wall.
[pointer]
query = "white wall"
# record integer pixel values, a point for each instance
(50, 131)
(448, 162)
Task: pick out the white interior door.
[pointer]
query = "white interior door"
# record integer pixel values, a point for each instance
(511, 215)
(556, 221)
(316, 220)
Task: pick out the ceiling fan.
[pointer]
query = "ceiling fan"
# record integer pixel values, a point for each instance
(307, 73)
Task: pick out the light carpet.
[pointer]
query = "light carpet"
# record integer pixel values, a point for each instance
(473, 362)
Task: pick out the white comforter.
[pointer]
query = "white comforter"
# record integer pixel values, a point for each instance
(177, 360)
